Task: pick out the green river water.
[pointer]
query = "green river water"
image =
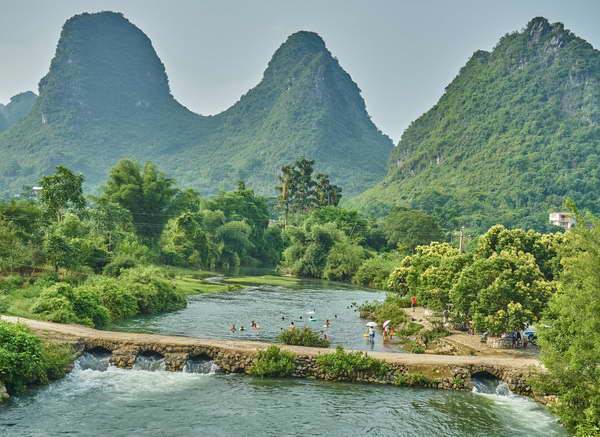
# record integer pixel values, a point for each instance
(99, 400)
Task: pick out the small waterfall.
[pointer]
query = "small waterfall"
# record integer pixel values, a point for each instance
(94, 361)
(149, 362)
(204, 366)
(488, 384)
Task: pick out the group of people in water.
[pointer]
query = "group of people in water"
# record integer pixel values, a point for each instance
(256, 327)
(253, 325)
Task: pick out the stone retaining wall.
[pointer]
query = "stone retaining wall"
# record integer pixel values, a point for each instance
(439, 371)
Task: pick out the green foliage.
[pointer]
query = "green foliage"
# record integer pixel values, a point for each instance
(62, 191)
(25, 360)
(343, 260)
(153, 291)
(392, 308)
(273, 362)
(501, 293)
(412, 380)
(350, 366)
(116, 296)
(514, 134)
(299, 191)
(63, 303)
(145, 192)
(99, 60)
(302, 337)
(570, 333)
(406, 229)
(375, 272)
(429, 274)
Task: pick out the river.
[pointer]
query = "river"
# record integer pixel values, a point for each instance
(100, 400)
(272, 308)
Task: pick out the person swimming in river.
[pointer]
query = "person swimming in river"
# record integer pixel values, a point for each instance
(232, 328)
(292, 325)
(254, 325)
(327, 323)
(242, 328)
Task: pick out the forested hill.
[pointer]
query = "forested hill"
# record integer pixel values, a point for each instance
(107, 96)
(516, 132)
(18, 108)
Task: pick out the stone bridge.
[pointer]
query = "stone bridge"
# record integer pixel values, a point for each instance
(448, 371)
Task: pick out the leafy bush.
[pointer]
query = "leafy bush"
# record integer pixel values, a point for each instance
(153, 291)
(390, 309)
(115, 296)
(25, 360)
(302, 337)
(343, 261)
(350, 365)
(374, 272)
(273, 362)
(64, 304)
(11, 282)
(118, 265)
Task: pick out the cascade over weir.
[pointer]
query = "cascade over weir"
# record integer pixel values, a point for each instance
(237, 356)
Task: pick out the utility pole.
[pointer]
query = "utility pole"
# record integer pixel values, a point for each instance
(461, 240)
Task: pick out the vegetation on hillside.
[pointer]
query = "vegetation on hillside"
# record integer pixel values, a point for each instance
(515, 133)
(93, 111)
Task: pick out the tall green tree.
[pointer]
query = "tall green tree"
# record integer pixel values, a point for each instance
(62, 191)
(570, 332)
(286, 188)
(408, 228)
(326, 194)
(145, 192)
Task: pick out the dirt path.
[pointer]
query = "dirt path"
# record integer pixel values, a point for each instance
(82, 332)
(469, 343)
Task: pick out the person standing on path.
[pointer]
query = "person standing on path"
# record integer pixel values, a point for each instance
(413, 302)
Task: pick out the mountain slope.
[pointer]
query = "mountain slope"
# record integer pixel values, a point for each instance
(516, 132)
(107, 96)
(18, 108)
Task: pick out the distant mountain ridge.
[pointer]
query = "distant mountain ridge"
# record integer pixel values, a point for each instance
(515, 133)
(18, 108)
(107, 96)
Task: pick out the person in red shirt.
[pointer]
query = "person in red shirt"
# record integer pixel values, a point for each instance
(413, 302)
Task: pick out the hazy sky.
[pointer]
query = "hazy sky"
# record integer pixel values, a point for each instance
(401, 53)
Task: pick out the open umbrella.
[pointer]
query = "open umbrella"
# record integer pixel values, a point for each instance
(387, 322)
(371, 325)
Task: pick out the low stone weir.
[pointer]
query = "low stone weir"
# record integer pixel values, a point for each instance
(441, 371)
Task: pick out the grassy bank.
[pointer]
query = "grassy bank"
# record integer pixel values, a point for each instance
(98, 299)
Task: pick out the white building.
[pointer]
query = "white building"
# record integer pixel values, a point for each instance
(563, 219)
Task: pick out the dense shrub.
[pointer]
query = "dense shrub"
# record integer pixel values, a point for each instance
(302, 337)
(153, 291)
(25, 360)
(118, 265)
(64, 304)
(273, 362)
(374, 272)
(390, 309)
(115, 295)
(11, 283)
(350, 365)
(343, 261)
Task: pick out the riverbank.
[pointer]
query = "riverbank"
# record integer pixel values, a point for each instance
(440, 371)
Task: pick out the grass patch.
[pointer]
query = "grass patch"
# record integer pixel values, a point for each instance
(282, 281)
